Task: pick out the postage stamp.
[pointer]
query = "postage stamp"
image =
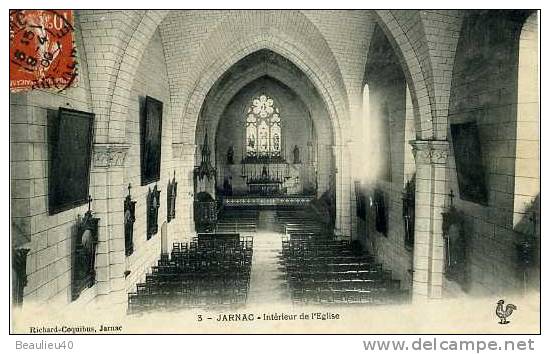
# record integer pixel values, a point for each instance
(42, 50)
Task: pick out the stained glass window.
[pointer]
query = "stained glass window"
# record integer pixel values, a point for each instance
(263, 128)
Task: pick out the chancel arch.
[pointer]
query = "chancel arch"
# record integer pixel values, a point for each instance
(292, 164)
(269, 65)
(322, 73)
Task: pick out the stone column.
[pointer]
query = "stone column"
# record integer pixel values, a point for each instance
(342, 225)
(188, 165)
(430, 157)
(356, 176)
(347, 191)
(108, 192)
(337, 154)
(324, 168)
(184, 158)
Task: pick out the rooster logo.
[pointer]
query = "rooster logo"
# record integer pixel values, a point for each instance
(502, 313)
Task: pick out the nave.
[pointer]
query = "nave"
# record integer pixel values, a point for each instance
(177, 168)
(265, 257)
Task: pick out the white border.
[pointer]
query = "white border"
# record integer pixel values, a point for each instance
(255, 343)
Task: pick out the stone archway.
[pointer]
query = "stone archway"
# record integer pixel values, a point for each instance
(328, 83)
(127, 71)
(430, 157)
(257, 65)
(416, 78)
(327, 127)
(333, 99)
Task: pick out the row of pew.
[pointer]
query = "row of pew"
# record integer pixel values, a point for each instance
(239, 221)
(320, 269)
(211, 270)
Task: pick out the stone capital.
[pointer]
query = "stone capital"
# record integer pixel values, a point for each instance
(430, 151)
(440, 151)
(109, 155)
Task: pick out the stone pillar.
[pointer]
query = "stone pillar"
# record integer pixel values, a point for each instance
(356, 178)
(324, 168)
(337, 154)
(108, 192)
(188, 164)
(342, 225)
(430, 157)
(184, 158)
(347, 191)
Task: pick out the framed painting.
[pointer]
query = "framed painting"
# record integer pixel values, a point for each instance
(70, 138)
(469, 165)
(151, 142)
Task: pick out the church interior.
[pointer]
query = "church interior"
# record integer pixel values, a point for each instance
(243, 157)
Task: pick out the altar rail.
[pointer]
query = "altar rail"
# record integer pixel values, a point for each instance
(267, 202)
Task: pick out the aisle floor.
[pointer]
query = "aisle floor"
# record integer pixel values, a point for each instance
(267, 284)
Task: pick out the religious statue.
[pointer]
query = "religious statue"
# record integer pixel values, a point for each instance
(129, 219)
(360, 200)
(381, 222)
(230, 155)
(19, 278)
(276, 140)
(153, 204)
(174, 195)
(252, 141)
(171, 194)
(296, 153)
(455, 246)
(227, 187)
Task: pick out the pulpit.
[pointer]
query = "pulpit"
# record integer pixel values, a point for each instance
(205, 212)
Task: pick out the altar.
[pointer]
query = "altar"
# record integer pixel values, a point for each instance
(258, 179)
(275, 185)
(264, 188)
